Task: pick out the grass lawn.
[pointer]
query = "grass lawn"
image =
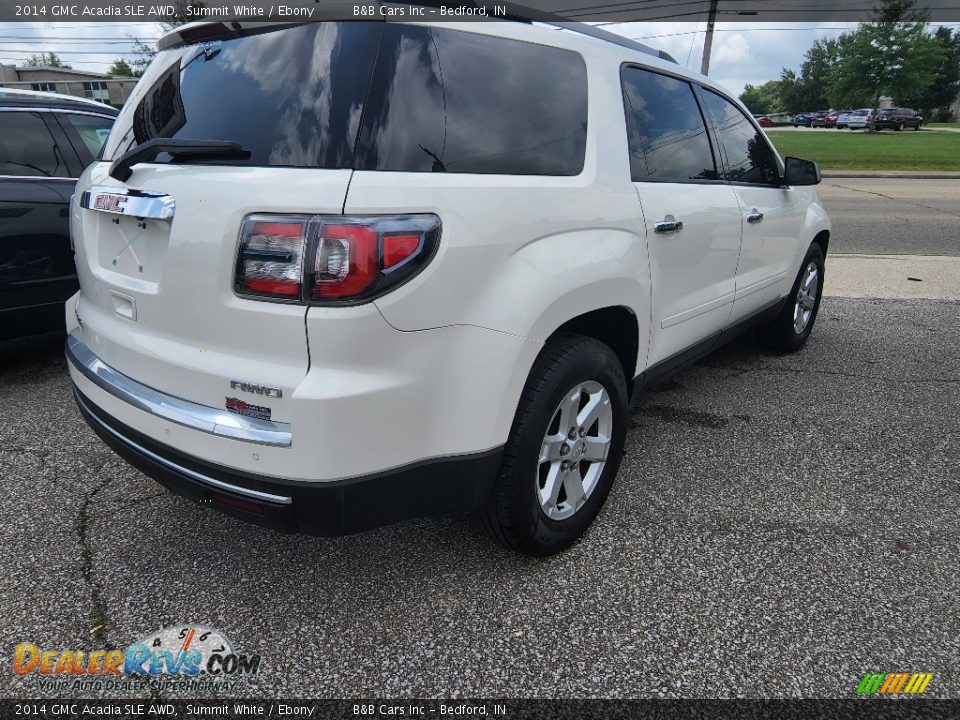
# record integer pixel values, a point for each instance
(886, 150)
(943, 125)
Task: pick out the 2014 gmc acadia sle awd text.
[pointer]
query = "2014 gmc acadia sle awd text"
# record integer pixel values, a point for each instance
(335, 275)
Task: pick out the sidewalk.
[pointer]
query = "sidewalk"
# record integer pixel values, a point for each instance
(899, 277)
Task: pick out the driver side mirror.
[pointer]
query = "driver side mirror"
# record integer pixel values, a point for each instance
(797, 171)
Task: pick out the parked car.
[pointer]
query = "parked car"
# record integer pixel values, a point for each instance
(763, 121)
(802, 119)
(843, 119)
(45, 142)
(819, 118)
(832, 118)
(859, 119)
(898, 119)
(444, 305)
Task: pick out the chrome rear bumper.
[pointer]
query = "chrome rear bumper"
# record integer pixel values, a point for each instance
(183, 412)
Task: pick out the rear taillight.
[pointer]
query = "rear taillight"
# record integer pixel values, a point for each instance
(323, 259)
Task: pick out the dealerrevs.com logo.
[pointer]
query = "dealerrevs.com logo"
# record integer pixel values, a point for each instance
(190, 657)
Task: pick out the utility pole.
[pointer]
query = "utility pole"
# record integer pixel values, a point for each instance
(708, 41)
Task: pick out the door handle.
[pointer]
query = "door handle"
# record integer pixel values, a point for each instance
(754, 216)
(667, 225)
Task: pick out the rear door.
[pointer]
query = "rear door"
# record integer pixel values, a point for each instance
(160, 251)
(692, 217)
(37, 171)
(772, 214)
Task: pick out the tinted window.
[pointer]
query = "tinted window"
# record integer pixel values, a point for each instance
(291, 96)
(449, 101)
(92, 129)
(28, 148)
(749, 157)
(665, 129)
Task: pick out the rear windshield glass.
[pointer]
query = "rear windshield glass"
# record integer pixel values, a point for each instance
(291, 97)
(438, 100)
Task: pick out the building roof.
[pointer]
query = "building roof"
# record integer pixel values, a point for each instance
(65, 71)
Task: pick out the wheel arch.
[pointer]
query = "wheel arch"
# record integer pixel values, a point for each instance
(616, 326)
(822, 239)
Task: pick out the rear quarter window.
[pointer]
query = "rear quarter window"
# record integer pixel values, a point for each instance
(451, 101)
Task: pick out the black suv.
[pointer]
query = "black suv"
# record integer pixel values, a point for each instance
(46, 141)
(898, 119)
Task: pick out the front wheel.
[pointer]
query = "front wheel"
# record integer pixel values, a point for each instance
(900, 126)
(789, 332)
(917, 126)
(564, 449)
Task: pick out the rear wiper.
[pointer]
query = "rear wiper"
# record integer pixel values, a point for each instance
(177, 149)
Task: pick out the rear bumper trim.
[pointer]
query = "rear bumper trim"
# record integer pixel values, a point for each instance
(453, 484)
(183, 412)
(170, 465)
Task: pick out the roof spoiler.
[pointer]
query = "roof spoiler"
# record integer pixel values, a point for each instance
(206, 31)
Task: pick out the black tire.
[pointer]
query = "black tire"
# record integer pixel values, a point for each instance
(901, 126)
(781, 334)
(513, 516)
(917, 126)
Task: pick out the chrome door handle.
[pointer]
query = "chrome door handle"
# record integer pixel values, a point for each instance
(668, 225)
(754, 217)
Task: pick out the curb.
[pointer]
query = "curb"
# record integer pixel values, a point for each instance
(902, 174)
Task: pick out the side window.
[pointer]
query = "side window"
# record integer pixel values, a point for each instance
(666, 133)
(92, 130)
(449, 101)
(749, 157)
(28, 148)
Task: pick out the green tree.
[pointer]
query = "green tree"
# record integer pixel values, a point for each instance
(893, 55)
(946, 80)
(762, 99)
(818, 71)
(46, 59)
(120, 68)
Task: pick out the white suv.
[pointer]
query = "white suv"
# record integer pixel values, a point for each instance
(335, 275)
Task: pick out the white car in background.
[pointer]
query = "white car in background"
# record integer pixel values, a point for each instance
(859, 119)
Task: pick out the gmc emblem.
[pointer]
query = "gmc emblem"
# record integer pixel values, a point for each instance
(256, 389)
(109, 203)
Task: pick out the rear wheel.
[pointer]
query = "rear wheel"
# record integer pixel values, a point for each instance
(917, 126)
(564, 449)
(789, 332)
(901, 126)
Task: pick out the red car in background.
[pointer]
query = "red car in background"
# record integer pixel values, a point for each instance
(763, 121)
(831, 119)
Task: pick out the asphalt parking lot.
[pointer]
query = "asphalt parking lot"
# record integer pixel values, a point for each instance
(780, 526)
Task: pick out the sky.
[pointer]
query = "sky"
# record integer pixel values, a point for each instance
(742, 52)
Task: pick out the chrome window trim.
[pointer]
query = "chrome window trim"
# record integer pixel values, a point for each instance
(183, 412)
(199, 477)
(136, 203)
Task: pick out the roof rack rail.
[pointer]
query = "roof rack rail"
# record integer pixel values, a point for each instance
(522, 13)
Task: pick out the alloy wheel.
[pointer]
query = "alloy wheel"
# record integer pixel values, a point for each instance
(806, 299)
(574, 450)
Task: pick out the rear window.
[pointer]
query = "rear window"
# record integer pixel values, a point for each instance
(291, 97)
(437, 101)
(450, 101)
